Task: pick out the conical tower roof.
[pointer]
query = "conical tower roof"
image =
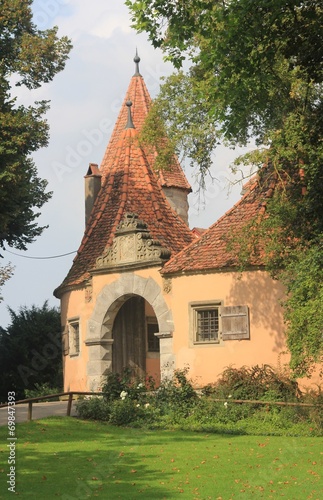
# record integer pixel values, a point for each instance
(129, 185)
(138, 94)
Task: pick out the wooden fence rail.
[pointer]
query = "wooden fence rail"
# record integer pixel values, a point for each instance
(70, 395)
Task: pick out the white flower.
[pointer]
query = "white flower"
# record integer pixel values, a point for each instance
(123, 395)
(225, 404)
(230, 396)
(138, 405)
(146, 405)
(139, 386)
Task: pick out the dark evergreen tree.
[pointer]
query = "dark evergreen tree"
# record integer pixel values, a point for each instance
(30, 351)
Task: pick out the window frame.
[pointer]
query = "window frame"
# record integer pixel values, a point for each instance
(74, 349)
(151, 320)
(194, 309)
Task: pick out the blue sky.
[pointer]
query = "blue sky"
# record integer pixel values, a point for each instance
(85, 101)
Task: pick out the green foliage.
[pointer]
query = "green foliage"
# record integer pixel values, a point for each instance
(43, 390)
(30, 351)
(255, 71)
(94, 408)
(176, 405)
(175, 395)
(303, 277)
(127, 382)
(123, 412)
(5, 274)
(254, 383)
(195, 139)
(32, 57)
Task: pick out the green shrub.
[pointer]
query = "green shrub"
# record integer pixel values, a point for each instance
(127, 381)
(123, 412)
(176, 394)
(94, 408)
(42, 390)
(254, 383)
(129, 401)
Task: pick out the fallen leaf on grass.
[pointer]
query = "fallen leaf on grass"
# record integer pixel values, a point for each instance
(133, 471)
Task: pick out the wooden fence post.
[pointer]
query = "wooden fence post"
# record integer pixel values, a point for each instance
(30, 411)
(69, 404)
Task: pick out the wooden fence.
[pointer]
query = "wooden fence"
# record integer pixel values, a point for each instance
(71, 395)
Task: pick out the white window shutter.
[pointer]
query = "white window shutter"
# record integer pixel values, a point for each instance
(235, 322)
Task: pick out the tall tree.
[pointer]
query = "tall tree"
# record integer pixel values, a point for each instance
(30, 351)
(256, 70)
(30, 57)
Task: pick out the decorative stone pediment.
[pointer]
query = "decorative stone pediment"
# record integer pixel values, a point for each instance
(132, 246)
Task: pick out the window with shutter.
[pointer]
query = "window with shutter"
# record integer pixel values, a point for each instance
(234, 322)
(213, 323)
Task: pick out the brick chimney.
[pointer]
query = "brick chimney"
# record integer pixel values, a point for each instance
(92, 187)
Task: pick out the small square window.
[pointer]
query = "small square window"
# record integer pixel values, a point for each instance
(207, 328)
(74, 337)
(205, 319)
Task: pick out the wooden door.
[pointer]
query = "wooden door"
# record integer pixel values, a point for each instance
(129, 337)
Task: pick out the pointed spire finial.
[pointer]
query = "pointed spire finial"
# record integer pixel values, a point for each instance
(129, 122)
(136, 60)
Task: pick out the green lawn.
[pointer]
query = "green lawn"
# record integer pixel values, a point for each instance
(74, 459)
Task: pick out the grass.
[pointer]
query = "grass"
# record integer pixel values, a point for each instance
(75, 459)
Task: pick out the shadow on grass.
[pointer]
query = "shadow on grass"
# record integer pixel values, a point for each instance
(75, 459)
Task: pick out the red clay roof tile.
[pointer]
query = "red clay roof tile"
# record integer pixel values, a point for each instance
(138, 94)
(129, 185)
(210, 251)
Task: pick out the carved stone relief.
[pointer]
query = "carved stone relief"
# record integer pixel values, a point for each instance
(132, 244)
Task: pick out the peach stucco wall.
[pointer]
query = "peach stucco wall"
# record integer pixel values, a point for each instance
(73, 305)
(256, 290)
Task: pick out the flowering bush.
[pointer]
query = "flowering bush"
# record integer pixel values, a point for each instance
(128, 400)
(128, 384)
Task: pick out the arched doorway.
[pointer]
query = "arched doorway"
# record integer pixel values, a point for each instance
(135, 344)
(99, 340)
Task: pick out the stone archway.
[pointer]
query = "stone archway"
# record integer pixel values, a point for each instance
(99, 329)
